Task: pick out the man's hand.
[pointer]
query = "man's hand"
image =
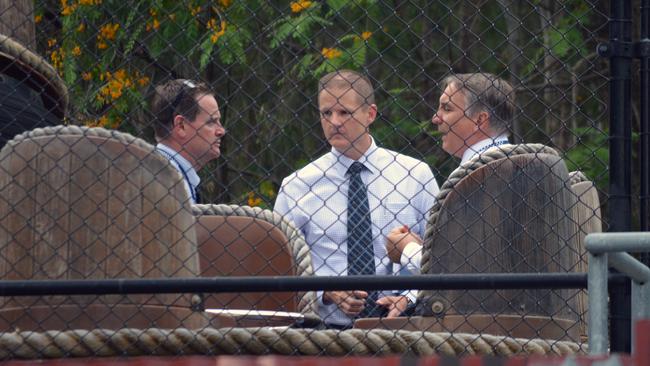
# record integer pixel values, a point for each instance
(395, 304)
(397, 240)
(350, 302)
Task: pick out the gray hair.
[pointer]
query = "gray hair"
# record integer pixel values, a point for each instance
(349, 79)
(486, 92)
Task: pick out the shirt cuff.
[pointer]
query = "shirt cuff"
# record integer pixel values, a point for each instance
(411, 252)
(319, 296)
(412, 295)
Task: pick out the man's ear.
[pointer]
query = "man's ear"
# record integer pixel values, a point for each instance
(483, 121)
(372, 113)
(178, 127)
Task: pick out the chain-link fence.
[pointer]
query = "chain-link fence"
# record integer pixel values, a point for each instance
(482, 131)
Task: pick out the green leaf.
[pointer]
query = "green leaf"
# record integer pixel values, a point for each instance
(70, 70)
(302, 68)
(336, 5)
(325, 67)
(206, 52)
(281, 33)
(358, 53)
(231, 45)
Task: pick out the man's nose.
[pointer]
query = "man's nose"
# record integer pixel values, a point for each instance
(336, 119)
(435, 119)
(220, 131)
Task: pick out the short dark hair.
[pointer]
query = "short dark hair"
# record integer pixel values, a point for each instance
(349, 79)
(486, 92)
(176, 97)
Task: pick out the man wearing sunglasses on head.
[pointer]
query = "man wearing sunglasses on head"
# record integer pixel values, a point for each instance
(188, 128)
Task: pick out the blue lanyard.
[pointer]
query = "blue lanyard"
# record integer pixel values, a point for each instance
(185, 176)
(493, 144)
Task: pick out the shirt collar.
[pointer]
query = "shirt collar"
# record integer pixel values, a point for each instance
(483, 145)
(368, 159)
(187, 168)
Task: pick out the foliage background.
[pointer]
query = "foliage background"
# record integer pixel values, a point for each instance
(263, 59)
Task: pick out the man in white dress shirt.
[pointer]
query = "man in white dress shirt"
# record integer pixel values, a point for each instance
(188, 128)
(474, 114)
(400, 191)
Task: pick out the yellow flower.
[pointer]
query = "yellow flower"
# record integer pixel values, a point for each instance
(51, 42)
(76, 51)
(108, 31)
(143, 81)
(57, 57)
(194, 11)
(300, 5)
(102, 45)
(252, 200)
(156, 24)
(331, 53)
(172, 16)
(217, 33)
(366, 35)
(115, 86)
(67, 9)
(81, 28)
(38, 18)
(120, 74)
(225, 3)
(86, 75)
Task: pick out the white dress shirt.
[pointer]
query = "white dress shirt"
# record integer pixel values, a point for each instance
(412, 253)
(401, 190)
(190, 177)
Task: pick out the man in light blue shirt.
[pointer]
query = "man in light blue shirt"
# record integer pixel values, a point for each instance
(188, 128)
(474, 114)
(400, 191)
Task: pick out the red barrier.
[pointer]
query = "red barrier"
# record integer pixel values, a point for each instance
(642, 343)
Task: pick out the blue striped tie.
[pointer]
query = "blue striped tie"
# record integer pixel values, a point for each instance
(361, 257)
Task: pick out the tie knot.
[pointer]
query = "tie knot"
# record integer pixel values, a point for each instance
(356, 168)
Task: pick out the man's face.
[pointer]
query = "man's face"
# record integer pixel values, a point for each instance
(459, 131)
(345, 118)
(204, 133)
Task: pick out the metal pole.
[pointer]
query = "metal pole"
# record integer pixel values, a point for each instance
(627, 264)
(597, 290)
(620, 157)
(644, 130)
(617, 242)
(290, 283)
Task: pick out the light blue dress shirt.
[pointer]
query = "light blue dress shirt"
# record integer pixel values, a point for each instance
(190, 177)
(401, 190)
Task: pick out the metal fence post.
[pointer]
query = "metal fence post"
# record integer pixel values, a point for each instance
(597, 287)
(643, 52)
(620, 53)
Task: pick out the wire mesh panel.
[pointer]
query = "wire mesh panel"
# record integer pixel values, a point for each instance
(300, 139)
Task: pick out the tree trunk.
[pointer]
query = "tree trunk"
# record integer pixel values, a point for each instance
(556, 106)
(17, 22)
(512, 55)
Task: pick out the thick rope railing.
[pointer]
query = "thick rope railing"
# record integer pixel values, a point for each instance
(297, 244)
(263, 341)
(32, 63)
(490, 155)
(73, 130)
(576, 177)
